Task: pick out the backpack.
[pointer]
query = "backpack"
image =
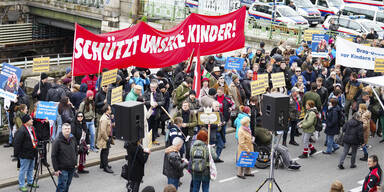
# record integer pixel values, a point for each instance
(199, 155)
(318, 124)
(174, 98)
(341, 118)
(55, 94)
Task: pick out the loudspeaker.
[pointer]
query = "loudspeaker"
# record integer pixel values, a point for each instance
(129, 120)
(275, 112)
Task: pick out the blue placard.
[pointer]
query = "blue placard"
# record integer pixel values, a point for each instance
(234, 63)
(46, 109)
(247, 160)
(9, 81)
(319, 45)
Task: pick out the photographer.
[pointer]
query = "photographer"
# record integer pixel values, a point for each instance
(137, 157)
(42, 130)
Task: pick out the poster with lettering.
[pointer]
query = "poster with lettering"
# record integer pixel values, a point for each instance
(109, 77)
(41, 64)
(9, 81)
(117, 95)
(319, 45)
(257, 87)
(46, 109)
(379, 65)
(265, 78)
(247, 159)
(234, 63)
(278, 80)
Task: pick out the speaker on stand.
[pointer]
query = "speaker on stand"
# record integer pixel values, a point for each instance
(129, 119)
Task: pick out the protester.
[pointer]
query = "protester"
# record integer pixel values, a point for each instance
(137, 157)
(353, 137)
(245, 144)
(332, 126)
(90, 80)
(366, 119)
(169, 188)
(81, 133)
(87, 107)
(134, 93)
(25, 149)
(40, 90)
(373, 180)
(308, 126)
(352, 91)
(79, 96)
(295, 108)
(182, 92)
(63, 157)
(154, 100)
(173, 163)
(66, 110)
(42, 131)
(104, 138)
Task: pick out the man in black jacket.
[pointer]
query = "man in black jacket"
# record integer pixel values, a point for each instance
(246, 83)
(25, 149)
(40, 90)
(63, 156)
(153, 100)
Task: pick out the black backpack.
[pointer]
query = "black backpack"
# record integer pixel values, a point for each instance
(318, 124)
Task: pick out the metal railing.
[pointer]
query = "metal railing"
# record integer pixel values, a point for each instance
(27, 62)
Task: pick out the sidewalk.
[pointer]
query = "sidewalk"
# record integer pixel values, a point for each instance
(9, 173)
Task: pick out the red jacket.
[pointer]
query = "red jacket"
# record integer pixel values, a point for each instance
(91, 83)
(372, 181)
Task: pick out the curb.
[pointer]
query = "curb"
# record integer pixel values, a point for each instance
(14, 180)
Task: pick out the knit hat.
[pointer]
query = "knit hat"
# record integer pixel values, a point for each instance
(234, 77)
(67, 80)
(43, 76)
(246, 109)
(192, 92)
(68, 70)
(205, 79)
(202, 136)
(89, 93)
(26, 118)
(212, 91)
(161, 85)
(160, 74)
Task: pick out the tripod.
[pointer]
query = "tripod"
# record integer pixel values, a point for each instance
(39, 167)
(271, 178)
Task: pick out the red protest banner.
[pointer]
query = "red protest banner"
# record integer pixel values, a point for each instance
(144, 46)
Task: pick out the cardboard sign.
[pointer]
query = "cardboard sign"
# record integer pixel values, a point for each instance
(208, 118)
(257, 87)
(109, 77)
(278, 80)
(234, 63)
(308, 34)
(379, 65)
(117, 95)
(264, 77)
(40, 64)
(9, 81)
(47, 109)
(247, 160)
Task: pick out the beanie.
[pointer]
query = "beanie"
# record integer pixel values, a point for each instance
(212, 91)
(89, 93)
(26, 118)
(43, 76)
(192, 92)
(234, 77)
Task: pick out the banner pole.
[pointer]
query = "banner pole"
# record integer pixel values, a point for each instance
(73, 58)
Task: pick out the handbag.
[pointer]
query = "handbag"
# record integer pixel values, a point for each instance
(372, 126)
(212, 166)
(339, 139)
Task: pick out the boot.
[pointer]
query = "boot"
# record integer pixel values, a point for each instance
(303, 156)
(312, 152)
(285, 143)
(365, 158)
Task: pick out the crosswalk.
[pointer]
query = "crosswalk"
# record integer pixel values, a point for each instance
(357, 189)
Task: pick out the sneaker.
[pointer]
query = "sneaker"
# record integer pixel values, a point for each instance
(7, 145)
(303, 156)
(340, 166)
(95, 150)
(249, 175)
(219, 161)
(326, 153)
(353, 166)
(293, 143)
(24, 189)
(241, 177)
(334, 150)
(312, 152)
(33, 185)
(83, 171)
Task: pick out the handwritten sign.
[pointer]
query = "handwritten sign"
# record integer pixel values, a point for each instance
(208, 118)
(247, 160)
(46, 109)
(379, 65)
(278, 80)
(257, 87)
(109, 77)
(234, 63)
(264, 77)
(117, 95)
(40, 64)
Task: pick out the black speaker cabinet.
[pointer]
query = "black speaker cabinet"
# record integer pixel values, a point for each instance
(275, 112)
(129, 119)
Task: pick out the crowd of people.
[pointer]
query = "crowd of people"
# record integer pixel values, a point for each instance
(322, 95)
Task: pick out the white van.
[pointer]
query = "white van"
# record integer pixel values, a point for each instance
(284, 15)
(379, 3)
(373, 13)
(328, 7)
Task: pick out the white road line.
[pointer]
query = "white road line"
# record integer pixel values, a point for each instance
(232, 178)
(357, 189)
(295, 159)
(361, 182)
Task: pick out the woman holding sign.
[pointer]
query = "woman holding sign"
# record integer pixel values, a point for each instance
(245, 144)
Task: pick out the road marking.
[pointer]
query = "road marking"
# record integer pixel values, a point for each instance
(357, 189)
(232, 178)
(295, 159)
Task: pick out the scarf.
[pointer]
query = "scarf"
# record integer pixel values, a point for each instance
(297, 104)
(32, 135)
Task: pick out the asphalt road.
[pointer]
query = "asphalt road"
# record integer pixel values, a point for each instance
(316, 175)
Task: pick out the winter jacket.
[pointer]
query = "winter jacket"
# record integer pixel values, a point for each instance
(105, 130)
(237, 123)
(353, 132)
(332, 122)
(323, 93)
(67, 115)
(55, 93)
(311, 95)
(77, 129)
(91, 83)
(42, 129)
(44, 87)
(99, 101)
(173, 164)
(366, 119)
(158, 97)
(245, 142)
(309, 121)
(373, 179)
(294, 80)
(235, 92)
(23, 147)
(136, 165)
(180, 92)
(353, 89)
(193, 105)
(191, 124)
(132, 96)
(79, 96)
(64, 153)
(247, 87)
(294, 113)
(174, 131)
(139, 81)
(206, 172)
(225, 105)
(88, 115)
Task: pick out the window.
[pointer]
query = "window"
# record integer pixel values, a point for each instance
(343, 23)
(380, 16)
(354, 25)
(323, 3)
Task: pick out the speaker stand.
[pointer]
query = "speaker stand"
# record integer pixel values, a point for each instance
(271, 179)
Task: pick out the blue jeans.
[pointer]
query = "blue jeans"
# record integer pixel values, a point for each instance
(196, 185)
(365, 151)
(223, 131)
(91, 128)
(26, 167)
(64, 180)
(10, 139)
(219, 144)
(174, 182)
(331, 145)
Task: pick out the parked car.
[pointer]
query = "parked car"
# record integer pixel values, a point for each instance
(328, 7)
(373, 13)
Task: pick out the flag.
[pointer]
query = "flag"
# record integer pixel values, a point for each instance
(189, 66)
(197, 75)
